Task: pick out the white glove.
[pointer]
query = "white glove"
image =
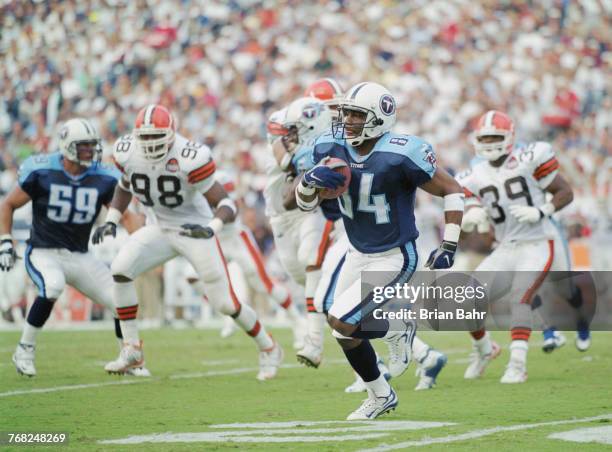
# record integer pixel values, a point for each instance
(475, 217)
(7, 253)
(526, 214)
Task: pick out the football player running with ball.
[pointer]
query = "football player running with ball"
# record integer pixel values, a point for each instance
(67, 190)
(174, 179)
(378, 213)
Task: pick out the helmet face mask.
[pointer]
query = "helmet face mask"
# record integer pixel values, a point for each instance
(367, 112)
(154, 132)
(309, 116)
(274, 127)
(79, 143)
(494, 136)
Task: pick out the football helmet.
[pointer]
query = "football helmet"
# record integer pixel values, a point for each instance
(78, 138)
(310, 116)
(275, 127)
(154, 131)
(377, 105)
(329, 91)
(498, 124)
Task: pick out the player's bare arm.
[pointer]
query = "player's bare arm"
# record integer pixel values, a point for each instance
(226, 211)
(562, 192)
(12, 202)
(442, 184)
(289, 194)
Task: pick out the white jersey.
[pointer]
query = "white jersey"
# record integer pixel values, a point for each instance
(172, 189)
(521, 180)
(229, 230)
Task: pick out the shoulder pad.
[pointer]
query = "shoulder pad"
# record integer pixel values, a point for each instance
(39, 162)
(122, 149)
(104, 169)
(192, 155)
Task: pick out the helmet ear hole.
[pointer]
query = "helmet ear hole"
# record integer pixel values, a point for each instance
(378, 122)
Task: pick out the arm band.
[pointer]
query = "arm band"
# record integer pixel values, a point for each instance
(113, 216)
(216, 224)
(548, 209)
(285, 161)
(305, 190)
(454, 202)
(6, 237)
(451, 232)
(122, 185)
(229, 203)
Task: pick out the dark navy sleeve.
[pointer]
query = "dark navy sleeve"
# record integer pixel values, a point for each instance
(111, 176)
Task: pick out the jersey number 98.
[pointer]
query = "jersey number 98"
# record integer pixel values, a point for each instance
(167, 186)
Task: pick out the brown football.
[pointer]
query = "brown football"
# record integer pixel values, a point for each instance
(341, 167)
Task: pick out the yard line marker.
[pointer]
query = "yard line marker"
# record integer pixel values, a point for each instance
(68, 387)
(480, 433)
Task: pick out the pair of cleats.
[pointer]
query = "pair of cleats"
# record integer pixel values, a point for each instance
(131, 361)
(554, 340)
(24, 357)
(516, 371)
(428, 369)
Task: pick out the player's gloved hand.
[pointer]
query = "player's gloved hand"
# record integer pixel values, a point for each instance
(475, 218)
(531, 214)
(108, 228)
(196, 231)
(443, 257)
(322, 176)
(7, 253)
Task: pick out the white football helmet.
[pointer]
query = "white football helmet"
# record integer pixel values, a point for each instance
(274, 127)
(310, 116)
(379, 107)
(75, 132)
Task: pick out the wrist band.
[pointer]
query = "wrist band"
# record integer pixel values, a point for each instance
(229, 203)
(216, 224)
(285, 161)
(451, 232)
(454, 202)
(113, 216)
(6, 238)
(305, 189)
(548, 209)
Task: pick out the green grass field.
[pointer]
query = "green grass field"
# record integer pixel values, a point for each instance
(201, 381)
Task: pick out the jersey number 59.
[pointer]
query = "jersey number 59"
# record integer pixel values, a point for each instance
(77, 205)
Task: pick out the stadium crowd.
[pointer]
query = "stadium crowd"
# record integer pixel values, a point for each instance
(222, 67)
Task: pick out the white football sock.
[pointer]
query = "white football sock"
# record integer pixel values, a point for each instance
(518, 351)
(124, 296)
(483, 344)
(316, 324)
(379, 387)
(28, 336)
(247, 320)
(419, 349)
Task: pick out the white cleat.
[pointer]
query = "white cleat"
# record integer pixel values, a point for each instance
(23, 358)
(479, 362)
(429, 368)
(554, 341)
(311, 355)
(373, 406)
(400, 349)
(229, 327)
(359, 386)
(516, 372)
(130, 357)
(269, 362)
(138, 372)
(583, 344)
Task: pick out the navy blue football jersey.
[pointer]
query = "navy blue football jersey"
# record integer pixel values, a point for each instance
(378, 207)
(302, 161)
(64, 207)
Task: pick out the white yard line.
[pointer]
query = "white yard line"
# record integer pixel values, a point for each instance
(68, 387)
(480, 433)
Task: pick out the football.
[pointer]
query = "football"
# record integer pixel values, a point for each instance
(341, 167)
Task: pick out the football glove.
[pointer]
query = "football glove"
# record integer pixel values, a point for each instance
(108, 228)
(443, 257)
(526, 214)
(322, 176)
(475, 218)
(196, 231)
(7, 254)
